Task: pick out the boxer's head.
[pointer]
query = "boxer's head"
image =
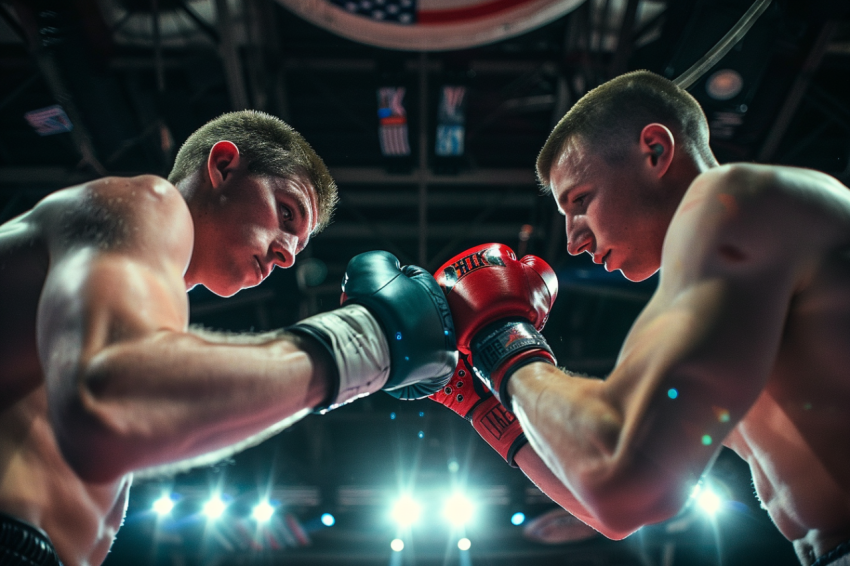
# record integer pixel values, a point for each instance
(618, 164)
(257, 192)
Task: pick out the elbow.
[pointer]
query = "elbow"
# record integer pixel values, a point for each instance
(623, 499)
(610, 531)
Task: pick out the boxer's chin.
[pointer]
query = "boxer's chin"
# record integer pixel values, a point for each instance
(226, 288)
(636, 275)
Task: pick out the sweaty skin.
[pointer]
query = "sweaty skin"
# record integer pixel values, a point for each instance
(746, 343)
(100, 377)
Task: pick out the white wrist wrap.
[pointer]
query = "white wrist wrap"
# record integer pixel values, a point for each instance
(359, 348)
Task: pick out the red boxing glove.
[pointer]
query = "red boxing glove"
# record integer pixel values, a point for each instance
(499, 304)
(467, 396)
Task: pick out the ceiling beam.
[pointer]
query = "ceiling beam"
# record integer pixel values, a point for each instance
(797, 92)
(486, 177)
(620, 62)
(470, 199)
(229, 50)
(436, 231)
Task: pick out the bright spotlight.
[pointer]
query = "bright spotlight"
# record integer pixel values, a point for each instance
(397, 545)
(163, 505)
(214, 508)
(458, 509)
(517, 518)
(406, 511)
(263, 511)
(328, 520)
(709, 501)
(464, 544)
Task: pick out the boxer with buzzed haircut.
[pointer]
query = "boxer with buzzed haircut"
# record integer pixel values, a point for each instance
(100, 376)
(745, 343)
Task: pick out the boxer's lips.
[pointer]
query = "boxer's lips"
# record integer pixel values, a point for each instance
(602, 259)
(598, 258)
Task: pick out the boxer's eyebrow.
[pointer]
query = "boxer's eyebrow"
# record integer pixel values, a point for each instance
(299, 193)
(563, 199)
(300, 203)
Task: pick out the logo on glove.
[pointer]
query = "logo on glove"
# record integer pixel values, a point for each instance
(515, 334)
(467, 264)
(497, 420)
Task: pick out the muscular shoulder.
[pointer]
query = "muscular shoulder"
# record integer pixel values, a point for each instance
(764, 194)
(119, 214)
(748, 213)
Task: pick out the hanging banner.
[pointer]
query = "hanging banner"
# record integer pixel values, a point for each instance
(451, 122)
(429, 25)
(392, 122)
(49, 121)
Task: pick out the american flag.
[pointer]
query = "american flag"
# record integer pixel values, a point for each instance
(430, 25)
(392, 118)
(396, 11)
(50, 120)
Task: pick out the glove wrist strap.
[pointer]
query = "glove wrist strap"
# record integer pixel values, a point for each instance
(504, 341)
(499, 428)
(356, 343)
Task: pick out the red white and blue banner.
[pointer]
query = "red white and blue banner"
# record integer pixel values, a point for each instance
(429, 25)
(451, 121)
(49, 121)
(392, 122)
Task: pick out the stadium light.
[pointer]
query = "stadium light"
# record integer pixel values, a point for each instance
(406, 511)
(709, 501)
(328, 520)
(464, 544)
(263, 511)
(214, 507)
(517, 518)
(163, 505)
(397, 545)
(458, 509)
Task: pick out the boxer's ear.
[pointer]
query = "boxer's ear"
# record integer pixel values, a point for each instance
(657, 146)
(223, 159)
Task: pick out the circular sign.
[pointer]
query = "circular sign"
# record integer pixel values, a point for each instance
(724, 84)
(429, 25)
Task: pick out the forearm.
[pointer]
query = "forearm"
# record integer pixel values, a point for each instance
(630, 457)
(574, 428)
(566, 418)
(173, 395)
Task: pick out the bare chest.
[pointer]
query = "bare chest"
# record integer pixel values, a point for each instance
(794, 435)
(38, 486)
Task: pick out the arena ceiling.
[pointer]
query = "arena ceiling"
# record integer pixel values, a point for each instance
(133, 78)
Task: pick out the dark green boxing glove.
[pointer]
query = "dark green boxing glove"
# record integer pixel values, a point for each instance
(393, 332)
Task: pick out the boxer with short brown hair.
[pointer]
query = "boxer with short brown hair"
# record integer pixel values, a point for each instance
(100, 374)
(745, 343)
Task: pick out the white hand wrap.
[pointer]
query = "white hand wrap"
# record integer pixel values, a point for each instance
(359, 348)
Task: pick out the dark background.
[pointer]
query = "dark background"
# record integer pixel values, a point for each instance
(134, 95)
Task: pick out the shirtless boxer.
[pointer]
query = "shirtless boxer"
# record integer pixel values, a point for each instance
(99, 374)
(746, 342)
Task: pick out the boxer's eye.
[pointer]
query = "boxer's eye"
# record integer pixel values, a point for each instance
(285, 212)
(579, 200)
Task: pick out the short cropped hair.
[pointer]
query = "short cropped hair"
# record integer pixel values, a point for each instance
(269, 146)
(612, 115)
